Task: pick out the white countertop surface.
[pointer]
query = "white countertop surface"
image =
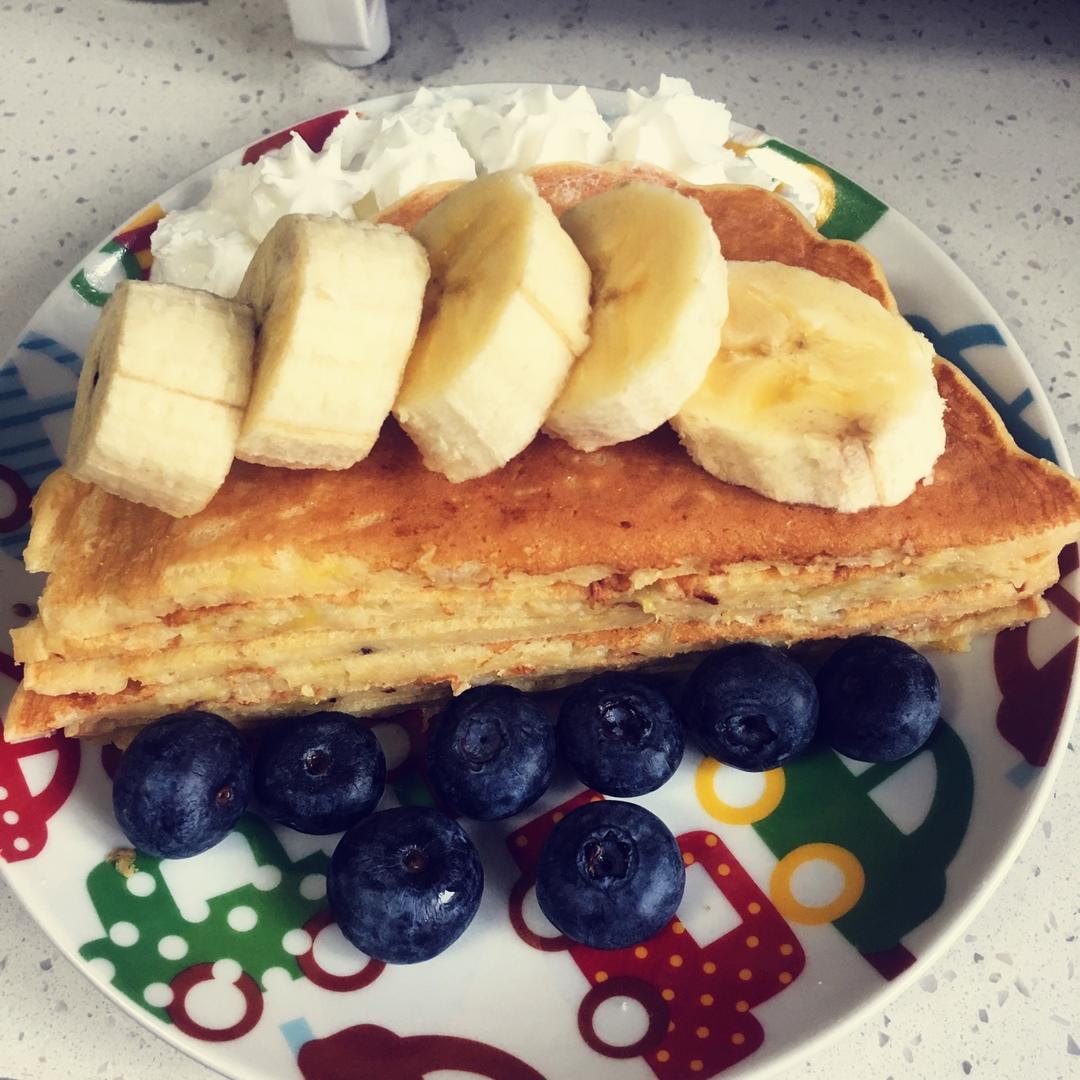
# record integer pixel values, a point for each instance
(971, 127)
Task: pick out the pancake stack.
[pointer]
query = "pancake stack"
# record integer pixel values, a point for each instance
(385, 584)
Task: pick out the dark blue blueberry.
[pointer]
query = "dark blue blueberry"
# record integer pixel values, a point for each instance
(751, 706)
(620, 735)
(405, 883)
(319, 773)
(610, 875)
(491, 753)
(880, 699)
(182, 784)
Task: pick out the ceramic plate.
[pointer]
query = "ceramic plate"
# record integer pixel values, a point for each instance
(814, 893)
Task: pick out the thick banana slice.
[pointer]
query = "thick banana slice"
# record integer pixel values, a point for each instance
(659, 303)
(507, 313)
(818, 394)
(161, 396)
(337, 304)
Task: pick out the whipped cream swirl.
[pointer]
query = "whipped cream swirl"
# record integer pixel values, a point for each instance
(536, 127)
(210, 245)
(411, 148)
(367, 163)
(683, 133)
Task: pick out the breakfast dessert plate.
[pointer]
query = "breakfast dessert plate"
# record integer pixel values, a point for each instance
(814, 892)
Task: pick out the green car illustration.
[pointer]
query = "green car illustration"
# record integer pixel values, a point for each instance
(821, 809)
(157, 954)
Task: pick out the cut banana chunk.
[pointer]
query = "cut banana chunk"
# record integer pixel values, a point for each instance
(659, 303)
(818, 394)
(161, 396)
(507, 314)
(337, 304)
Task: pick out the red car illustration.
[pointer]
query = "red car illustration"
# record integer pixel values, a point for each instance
(1033, 699)
(392, 1057)
(697, 997)
(24, 815)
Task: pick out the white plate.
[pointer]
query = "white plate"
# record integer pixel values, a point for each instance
(814, 894)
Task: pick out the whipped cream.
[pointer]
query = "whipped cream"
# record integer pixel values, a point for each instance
(796, 183)
(367, 163)
(415, 147)
(201, 249)
(210, 245)
(375, 159)
(296, 181)
(536, 127)
(683, 133)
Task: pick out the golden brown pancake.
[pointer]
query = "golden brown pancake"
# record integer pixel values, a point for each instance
(386, 584)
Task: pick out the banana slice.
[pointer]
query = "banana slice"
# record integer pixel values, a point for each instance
(507, 314)
(161, 396)
(818, 394)
(338, 304)
(659, 303)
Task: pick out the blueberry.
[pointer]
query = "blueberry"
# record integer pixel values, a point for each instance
(405, 883)
(182, 784)
(492, 753)
(320, 773)
(620, 735)
(880, 699)
(751, 706)
(610, 875)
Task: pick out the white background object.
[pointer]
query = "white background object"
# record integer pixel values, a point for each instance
(354, 33)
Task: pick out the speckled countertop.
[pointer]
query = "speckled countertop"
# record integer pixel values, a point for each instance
(970, 126)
